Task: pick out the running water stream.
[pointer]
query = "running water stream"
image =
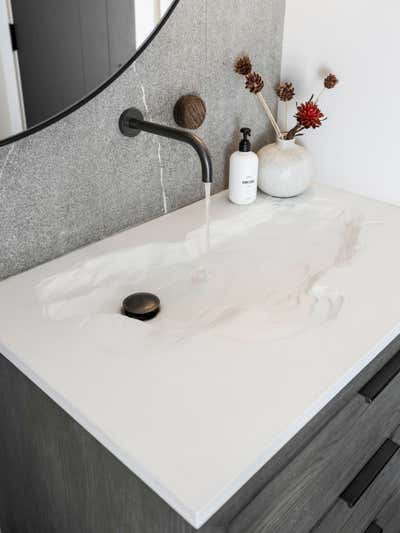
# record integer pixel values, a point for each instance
(207, 188)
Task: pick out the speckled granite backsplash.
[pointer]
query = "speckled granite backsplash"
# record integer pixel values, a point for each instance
(79, 180)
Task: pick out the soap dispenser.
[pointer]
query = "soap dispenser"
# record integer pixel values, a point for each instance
(243, 172)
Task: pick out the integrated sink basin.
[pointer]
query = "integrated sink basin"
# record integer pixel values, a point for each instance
(260, 326)
(255, 283)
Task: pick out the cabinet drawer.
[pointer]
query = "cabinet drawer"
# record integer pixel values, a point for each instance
(388, 519)
(376, 483)
(303, 492)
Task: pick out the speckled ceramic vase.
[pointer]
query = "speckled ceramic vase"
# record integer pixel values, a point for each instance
(285, 169)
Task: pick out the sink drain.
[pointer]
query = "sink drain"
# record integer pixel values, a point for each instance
(141, 305)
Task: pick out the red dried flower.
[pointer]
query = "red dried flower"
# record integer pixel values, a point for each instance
(309, 115)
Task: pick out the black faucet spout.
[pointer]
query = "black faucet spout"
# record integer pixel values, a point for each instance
(131, 123)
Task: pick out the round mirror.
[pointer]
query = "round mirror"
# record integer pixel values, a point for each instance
(57, 54)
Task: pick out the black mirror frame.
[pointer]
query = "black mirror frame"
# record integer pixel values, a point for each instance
(86, 99)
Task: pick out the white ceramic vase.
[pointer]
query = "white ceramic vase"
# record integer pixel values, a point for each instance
(285, 169)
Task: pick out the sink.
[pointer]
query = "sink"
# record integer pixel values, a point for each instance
(256, 283)
(256, 333)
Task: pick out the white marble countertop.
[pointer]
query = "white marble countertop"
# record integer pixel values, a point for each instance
(294, 298)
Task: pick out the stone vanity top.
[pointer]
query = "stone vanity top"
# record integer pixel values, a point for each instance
(292, 300)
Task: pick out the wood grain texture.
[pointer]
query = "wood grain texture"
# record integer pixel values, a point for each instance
(389, 516)
(190, 112)
(305, 490)
(343, 519)
(56, 478)
(279, 462)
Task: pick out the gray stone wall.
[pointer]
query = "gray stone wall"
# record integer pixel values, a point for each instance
(79, 180)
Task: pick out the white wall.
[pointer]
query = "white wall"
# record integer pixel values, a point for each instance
(164, 5)
(11, 110)
(358, 148)
(147, 16)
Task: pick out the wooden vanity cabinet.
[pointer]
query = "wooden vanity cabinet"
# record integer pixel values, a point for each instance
(341, 473)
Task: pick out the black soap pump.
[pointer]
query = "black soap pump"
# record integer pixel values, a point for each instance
(243, 172)
(245, 144)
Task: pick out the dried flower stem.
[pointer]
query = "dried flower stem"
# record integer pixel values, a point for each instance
(286, 116)
(270, 115)
(294, 132)
(320, 94)
(330, 82)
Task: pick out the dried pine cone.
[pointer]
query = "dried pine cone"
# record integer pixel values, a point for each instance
(309, 115)
(243, 66)
(254, 83)
(331, 81)
(285, 91)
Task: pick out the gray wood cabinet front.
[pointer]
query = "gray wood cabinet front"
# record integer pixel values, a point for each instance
(55, 477)
(298, 498)
(345, 519)
(388, 518)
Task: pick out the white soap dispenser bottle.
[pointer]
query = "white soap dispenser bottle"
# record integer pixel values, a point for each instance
(243, 172)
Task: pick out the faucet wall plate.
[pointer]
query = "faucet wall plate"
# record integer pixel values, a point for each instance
(126, 117)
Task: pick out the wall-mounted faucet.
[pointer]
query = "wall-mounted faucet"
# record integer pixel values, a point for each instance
(131, 123)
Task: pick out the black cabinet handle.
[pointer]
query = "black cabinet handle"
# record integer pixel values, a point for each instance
(369, 473)
(376, 385)
(374, 528)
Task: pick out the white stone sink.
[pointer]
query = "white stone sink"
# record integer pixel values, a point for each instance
(250, 285)
(255, 335)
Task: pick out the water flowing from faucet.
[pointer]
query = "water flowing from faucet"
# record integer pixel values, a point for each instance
(207, 189)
